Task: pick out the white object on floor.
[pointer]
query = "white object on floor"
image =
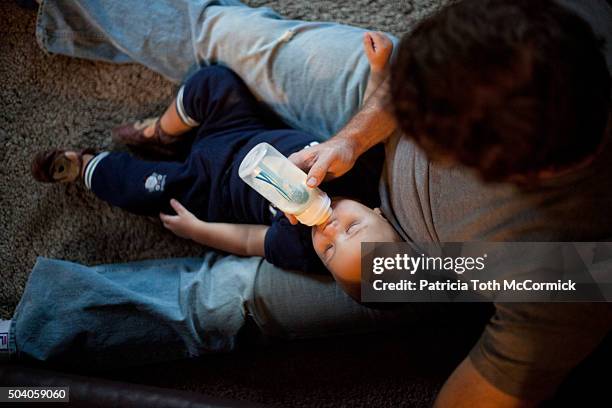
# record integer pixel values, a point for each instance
(5, 327)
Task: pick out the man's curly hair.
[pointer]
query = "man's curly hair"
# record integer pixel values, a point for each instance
(504, 86)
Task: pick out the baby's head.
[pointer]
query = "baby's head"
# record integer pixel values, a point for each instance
(338, 241)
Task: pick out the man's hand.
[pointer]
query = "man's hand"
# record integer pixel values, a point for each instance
(378, 48)
(327, 160)
(182, 223)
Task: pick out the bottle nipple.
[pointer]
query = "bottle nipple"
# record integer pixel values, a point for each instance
(317, 212)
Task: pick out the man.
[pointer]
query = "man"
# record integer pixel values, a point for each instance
(519, 93)
(442, 204)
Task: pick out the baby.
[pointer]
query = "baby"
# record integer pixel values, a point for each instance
(212, 205)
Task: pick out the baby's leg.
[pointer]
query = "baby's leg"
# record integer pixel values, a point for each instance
(213, 96)
(139, 186)
(170, 123)
(155, 133)
(146, 187)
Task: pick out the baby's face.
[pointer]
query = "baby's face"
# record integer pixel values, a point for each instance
(338, 241)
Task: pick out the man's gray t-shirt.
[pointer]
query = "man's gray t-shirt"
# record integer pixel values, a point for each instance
(446, 204)
(527, 349)
(432, 203)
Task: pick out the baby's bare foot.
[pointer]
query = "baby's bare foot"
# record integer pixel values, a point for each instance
(378, 49)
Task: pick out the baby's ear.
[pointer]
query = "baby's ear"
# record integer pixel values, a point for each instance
(377, 211)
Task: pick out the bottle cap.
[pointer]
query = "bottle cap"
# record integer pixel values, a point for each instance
(317, 212)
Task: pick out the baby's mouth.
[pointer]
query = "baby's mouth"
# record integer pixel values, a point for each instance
(321, 227)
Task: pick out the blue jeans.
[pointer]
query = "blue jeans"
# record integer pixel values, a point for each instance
(141, 312)
(314, 77)
(312, 74)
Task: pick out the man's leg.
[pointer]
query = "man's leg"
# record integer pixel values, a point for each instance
(293, 305)
(132, 313)
(156, 34)
(140, 312)
(313, 75)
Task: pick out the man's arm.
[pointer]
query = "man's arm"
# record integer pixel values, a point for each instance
(525, 353)
(371, 125)
(238, 239)
(467, 388)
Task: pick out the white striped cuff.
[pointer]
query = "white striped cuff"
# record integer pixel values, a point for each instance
(180, 109)
(91, 167)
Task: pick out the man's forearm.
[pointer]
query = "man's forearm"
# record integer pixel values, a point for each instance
(238, 239)
(466, 387)
(373, 123)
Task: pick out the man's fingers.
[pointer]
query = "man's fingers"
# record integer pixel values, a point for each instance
(380, 42)
(292, 219)
(368, 41)
(369, 44)
(318, 160)
(383, 43)
(311, 163)
(302, 159)
(318, 172)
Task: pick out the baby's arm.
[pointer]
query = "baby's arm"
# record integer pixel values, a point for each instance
(238, 239)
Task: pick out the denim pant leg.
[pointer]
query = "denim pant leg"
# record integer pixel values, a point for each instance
(294, 305)
(159, 310)
(313, 75)
(132, 313)
(155, 34)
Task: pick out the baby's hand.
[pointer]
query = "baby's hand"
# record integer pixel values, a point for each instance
(378, 49)
(182, 223)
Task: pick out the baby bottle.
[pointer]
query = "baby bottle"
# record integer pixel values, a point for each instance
(281, 182)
